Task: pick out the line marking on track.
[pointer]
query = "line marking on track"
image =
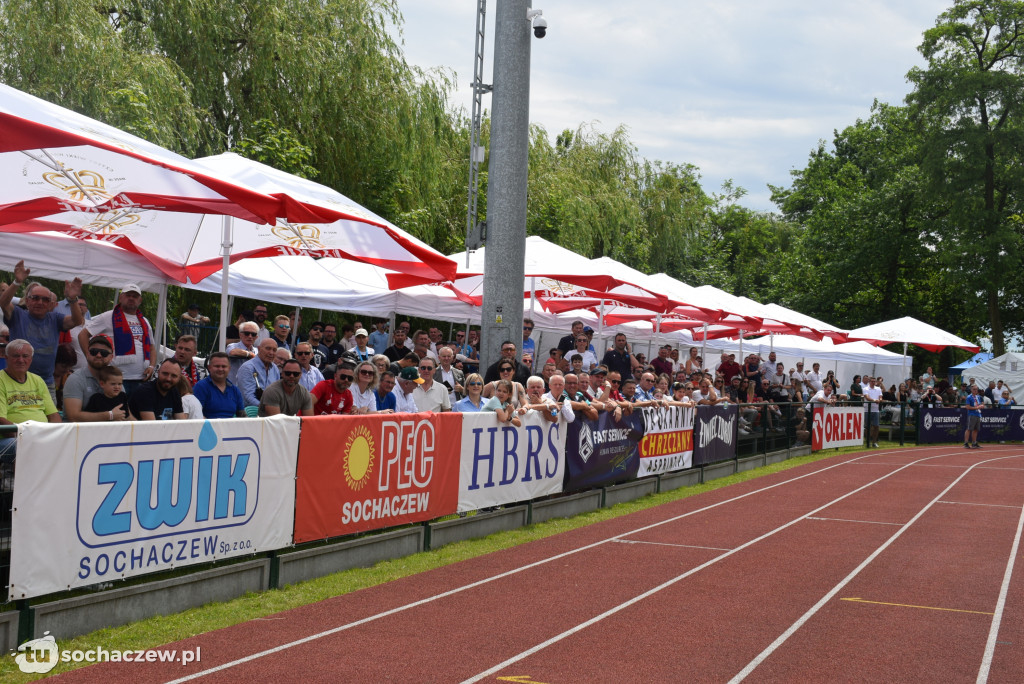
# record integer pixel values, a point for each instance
(867, 522)
(908, 605)
(782, 638)
(993, 632)
(650, 592)
(508, 573)
(970, 503)
(681, 546)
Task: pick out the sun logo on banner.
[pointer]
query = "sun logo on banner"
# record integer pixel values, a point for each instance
(79, 185)
(360, 453)
(307, 237)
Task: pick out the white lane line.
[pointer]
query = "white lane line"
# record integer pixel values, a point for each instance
(450, 592)
(636, 599)
(993, 632)
(680, 546)
(968, 503)
(866, 522)
(763, 655)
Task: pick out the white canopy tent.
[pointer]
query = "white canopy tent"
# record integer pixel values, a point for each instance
(1009, 368)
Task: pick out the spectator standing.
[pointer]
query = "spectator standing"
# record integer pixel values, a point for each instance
(873, 397)
(379, 337)
(429, 395)
(160, 399)
(259, 316)
(567, 343)
(184, 354)
(450, 376)
(334, 348)
(974, 404)
(347, 340)
(398, 350)
(928, 378)
(529, 355)
(856, 393)
(191, 320)
(619, 358)
(359, 351)
(218, 397)
(258, 373)
(286, 396)
(318, 352)
(813, 378)
(38, 324)
(582, 348)
(132, 335)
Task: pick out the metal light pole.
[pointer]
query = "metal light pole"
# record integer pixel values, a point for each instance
(505, 256)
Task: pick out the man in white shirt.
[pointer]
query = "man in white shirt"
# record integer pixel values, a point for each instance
(799, 374)
(823, 397)
(134, 340)
(813, 378)
(311, 375)
(429, 395)
(873, 397)
(406, 383)
(555, 398)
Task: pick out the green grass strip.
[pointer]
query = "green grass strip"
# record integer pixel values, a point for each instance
(164, 629)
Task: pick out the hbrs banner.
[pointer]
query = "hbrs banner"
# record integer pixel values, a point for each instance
(837, 426)
(367, 473)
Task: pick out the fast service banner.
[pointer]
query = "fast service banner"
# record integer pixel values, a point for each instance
(999, 425)
(667, 443)
(95, 502)
(714, 433)
(837, 426)
(936, 425)
(502, 464)
(603, 452)
(370, 472)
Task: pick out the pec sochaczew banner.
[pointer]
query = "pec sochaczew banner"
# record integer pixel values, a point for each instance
(96, 502)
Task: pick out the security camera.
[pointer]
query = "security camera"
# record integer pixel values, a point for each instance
(540, 24)
(540, 27)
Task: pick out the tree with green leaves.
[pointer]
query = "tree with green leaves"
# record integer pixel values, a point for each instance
(969, 104)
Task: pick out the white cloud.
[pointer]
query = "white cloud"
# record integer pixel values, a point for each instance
(743, 89)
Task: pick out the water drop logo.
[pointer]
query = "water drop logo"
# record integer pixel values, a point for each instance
(927, 421)
(207, 437)
(38, 656)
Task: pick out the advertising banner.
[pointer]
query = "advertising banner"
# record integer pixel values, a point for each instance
(502, 464)
(602, 452)
(837, 426)
(358, 473)
(937, 425)
(714, 433)
(119, 500)
(667, 444)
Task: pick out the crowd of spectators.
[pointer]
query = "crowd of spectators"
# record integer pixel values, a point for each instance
(107, 370)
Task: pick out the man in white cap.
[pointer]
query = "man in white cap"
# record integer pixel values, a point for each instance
(360, 351)
(132, 333)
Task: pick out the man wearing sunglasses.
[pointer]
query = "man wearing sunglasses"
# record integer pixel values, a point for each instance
(311, 375)
(84, 383)
(429, 395)
(334, 396)
(37, 323)
(287, 396)
(244, 349)
(508, 354)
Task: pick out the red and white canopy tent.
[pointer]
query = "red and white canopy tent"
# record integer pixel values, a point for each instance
(910, 331)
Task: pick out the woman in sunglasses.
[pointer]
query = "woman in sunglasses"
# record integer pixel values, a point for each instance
(506, 371)
(363, 399)
(473, 401)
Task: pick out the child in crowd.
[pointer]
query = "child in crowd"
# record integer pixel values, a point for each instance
(501, 405)
(111, 398)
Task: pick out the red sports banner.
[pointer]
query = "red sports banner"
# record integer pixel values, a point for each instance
(837, 426)
(369, 472)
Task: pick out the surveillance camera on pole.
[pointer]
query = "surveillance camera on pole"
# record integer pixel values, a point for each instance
(540, 24)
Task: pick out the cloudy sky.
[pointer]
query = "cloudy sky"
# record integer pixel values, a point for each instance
(743, 89)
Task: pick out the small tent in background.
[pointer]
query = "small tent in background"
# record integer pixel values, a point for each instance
(955, 372)
(1009, 368)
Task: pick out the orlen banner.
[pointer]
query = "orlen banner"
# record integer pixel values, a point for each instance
(837, 426)
(502, 463)
(370, 472)
(95, 502)
(667, 444)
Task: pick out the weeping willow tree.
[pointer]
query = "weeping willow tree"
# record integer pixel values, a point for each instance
(202, 76)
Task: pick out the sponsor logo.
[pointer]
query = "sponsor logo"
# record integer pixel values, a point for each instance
(717, 429)
(495, 456)
(927, 421)
(586, 442)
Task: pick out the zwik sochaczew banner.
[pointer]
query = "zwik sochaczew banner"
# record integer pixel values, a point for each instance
(837, 426)
(667, 443)
(502, 463)
(95, 502)
(369, 472)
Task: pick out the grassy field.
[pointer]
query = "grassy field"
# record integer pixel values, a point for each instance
(157, 631)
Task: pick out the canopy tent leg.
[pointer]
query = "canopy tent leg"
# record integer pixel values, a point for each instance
(161, 321)
(295, 328)
(225, 308)
(533, 295)
(703, 346)
(392, 320)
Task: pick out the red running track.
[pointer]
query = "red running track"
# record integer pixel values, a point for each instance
(877, 567)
